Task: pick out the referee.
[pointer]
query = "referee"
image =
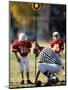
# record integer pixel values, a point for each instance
(49, 63)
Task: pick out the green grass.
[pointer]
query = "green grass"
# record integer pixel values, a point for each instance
(15, 76)
(15, 73)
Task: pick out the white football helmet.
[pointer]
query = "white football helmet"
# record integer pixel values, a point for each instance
(56, 34)
(22, 36)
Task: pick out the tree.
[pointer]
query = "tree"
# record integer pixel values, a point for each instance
(22, 12)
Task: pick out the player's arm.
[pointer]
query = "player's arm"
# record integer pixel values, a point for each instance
(14, 47)
(17, 56)
(61, 46)
(28, 45)
(52, 44)
(14, 50)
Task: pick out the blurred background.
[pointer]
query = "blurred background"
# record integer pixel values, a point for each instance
(50, 18)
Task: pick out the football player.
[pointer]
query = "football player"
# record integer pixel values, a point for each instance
(21, 48)
(57, 44)
(37, 49)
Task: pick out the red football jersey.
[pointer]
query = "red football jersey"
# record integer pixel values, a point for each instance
(23, 47)
(58, 45)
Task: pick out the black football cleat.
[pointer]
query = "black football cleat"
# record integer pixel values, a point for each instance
(52, 81)
(22, 82)
(29, 82)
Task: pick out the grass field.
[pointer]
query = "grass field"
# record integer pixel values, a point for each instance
(15, 76)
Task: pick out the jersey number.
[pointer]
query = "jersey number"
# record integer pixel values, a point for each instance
(23, 49)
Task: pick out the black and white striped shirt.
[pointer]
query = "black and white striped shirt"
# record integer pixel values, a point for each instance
(47, 55)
